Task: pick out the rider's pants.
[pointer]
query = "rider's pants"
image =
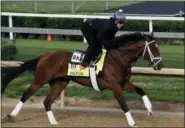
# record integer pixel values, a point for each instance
(94, 47)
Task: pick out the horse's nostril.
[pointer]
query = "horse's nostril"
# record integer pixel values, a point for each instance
(155, 68)
(161, 66)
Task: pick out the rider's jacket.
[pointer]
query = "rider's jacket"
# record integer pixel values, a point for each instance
(104, 30)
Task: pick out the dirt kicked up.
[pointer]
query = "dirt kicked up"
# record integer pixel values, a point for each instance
(36, 117)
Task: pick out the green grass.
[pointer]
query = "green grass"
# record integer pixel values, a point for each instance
(29, 49)
(157, 88)
(173, 55)
(60, 6)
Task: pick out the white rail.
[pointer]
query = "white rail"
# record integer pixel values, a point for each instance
(78, 32)
(146, 18)
(90, 16)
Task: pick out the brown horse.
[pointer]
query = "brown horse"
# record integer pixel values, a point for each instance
(52, 68)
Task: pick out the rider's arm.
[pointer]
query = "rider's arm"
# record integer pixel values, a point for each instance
(107, 43)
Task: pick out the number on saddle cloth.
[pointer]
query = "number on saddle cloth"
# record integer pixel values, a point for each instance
(77, 56)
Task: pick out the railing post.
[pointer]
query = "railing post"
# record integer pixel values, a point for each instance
(85, 41)
(72, 7)
(62, 99)
(107, 4)
(150, 26)
(10, 25)
(35, 6)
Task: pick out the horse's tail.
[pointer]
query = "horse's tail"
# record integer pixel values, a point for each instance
(29, 65)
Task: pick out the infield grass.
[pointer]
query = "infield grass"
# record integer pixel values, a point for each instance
(60, 6)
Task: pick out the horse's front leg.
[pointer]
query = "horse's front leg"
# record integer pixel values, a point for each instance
(130, 87)
(120, 98)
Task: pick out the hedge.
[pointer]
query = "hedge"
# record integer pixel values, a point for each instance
(159, 26)
(8, 51)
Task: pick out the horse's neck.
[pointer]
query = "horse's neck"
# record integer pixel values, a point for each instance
(125, 57)
(121, 59)
(135, 48)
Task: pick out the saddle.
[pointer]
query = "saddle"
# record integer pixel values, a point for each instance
(77, 58)
(91, 71)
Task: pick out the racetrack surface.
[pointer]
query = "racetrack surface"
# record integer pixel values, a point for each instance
(91, 117)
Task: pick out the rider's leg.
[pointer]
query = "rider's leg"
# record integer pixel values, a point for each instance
(88, 33)
(88, 55)
(97, 51)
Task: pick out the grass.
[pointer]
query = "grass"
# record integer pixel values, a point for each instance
(173, 55)
(60, 6)
(157, 88)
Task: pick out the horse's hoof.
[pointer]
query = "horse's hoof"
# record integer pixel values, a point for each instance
(135, 126)
(9, 118)
(149, 113)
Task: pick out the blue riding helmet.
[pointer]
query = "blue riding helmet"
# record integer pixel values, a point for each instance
(119, 15)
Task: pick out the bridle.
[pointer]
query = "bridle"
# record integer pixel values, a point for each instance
(152, 58)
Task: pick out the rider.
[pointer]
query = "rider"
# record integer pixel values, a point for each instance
(100, 32)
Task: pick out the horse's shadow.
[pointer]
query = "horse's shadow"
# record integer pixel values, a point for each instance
(40, 115)
(8, 118)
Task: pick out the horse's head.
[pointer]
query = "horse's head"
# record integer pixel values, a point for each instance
(151, 52)
(142, 45)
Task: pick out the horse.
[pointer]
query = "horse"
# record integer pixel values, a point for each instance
(52, 68)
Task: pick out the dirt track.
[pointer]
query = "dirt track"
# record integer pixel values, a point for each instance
(36, 117)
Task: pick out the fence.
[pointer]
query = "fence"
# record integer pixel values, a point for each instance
(135, 70)
(78, 32)
(12, 29)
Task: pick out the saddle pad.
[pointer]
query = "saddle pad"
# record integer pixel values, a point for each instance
(74, 69)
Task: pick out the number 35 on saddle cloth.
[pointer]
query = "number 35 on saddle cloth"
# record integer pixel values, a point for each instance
(76, 59)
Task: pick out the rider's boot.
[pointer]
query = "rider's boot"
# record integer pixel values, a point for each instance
(83, 65)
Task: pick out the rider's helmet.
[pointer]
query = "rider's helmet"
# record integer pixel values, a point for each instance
(119, 16)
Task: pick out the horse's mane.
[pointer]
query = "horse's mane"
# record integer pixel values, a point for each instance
(127, 38)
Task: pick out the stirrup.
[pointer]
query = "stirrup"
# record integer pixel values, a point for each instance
(92, 64)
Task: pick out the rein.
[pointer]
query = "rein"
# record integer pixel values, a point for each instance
(135, 58)
(152, 58)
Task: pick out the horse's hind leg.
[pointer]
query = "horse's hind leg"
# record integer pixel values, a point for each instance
(56, 89)
(130, 87)
(26, 95)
